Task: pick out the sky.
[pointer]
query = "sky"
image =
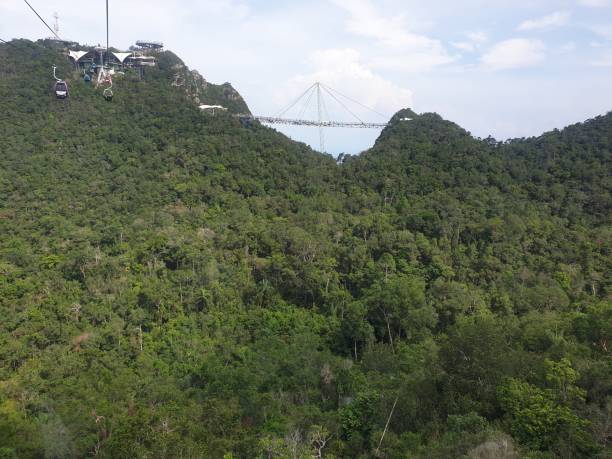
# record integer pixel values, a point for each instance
(506, 68)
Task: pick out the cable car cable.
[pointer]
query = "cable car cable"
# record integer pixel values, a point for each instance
(39, 17)
(107, 26)
(33, 43)
(8, 43)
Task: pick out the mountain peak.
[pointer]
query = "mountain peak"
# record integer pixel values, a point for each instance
(35, 59)
(408, 126)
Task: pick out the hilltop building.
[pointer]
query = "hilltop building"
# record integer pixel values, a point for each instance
(150, 45)
(212, 108)
(117, 60)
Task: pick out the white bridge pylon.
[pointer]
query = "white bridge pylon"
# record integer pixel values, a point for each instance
(317, 92)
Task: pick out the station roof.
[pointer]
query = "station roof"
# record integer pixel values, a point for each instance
(79, 56)
(121, 57)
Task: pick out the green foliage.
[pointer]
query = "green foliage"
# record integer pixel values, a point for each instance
(175, 284)
(541, 423)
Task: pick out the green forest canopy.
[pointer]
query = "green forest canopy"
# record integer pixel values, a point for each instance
(177, 285)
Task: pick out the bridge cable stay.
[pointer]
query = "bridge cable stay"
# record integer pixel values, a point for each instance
(306, 103)
(43, 21)
(318, 91)
(320, 114)
(327, 117)
(344, 106)
(353, 101)
(326, 113)
(291, 105)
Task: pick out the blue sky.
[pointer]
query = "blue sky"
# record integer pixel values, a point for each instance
(499, 67)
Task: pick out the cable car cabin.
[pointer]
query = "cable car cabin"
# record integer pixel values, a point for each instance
(61, 89)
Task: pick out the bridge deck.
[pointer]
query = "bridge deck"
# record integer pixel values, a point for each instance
(297, 122)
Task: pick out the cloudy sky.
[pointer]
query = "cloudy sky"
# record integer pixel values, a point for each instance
(507, 68)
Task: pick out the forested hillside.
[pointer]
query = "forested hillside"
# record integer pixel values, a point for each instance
(180, 285)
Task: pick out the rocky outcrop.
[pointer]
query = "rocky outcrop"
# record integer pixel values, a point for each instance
(200, 91)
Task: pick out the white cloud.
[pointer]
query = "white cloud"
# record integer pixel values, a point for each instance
(365, 20)
(392, 32)
(596, 3)
(567, 47)
(473, 42)
(464, 46)
(414, 62)
(514, 53)
(477, 37)
(343, 69)
(551, 21)
(603, 30)
(603, 61)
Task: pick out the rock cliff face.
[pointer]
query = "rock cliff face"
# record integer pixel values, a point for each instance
(203, 92)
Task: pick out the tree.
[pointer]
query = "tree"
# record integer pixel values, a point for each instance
(397, 308)
(543, 418)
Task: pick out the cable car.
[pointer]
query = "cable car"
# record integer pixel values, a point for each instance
(61, 89)
(106, 78)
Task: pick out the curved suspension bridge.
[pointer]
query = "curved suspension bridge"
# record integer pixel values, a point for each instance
(316, 94)
(323, 124)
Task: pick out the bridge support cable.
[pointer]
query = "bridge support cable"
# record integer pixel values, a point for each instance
(330, 89)
(319, 114)
(306, 103)
(344, 106)
(321, 91)
(282, 112)
(325, 112)
(325, 117)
